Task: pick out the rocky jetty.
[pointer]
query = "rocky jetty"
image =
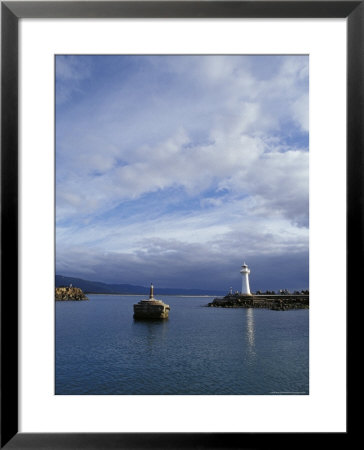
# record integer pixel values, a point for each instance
(275, 302)
(69, 293)
(152, 308)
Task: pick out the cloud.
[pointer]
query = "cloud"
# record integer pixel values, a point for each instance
(202, 268)
(70, 71)
(197, 154)
(300, 111)
(195, 250)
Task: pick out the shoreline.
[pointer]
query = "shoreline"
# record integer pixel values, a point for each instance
(159, 295)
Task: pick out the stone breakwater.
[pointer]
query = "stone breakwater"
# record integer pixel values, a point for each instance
(70, 293)
(151, 309)
(275, 302)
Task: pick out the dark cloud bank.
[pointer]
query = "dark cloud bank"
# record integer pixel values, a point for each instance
(286, 271)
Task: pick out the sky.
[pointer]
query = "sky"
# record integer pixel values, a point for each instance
(178, 169)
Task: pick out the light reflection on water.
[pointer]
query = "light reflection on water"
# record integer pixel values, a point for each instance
(250, 332)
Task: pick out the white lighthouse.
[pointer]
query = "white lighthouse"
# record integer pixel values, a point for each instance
(245, 288)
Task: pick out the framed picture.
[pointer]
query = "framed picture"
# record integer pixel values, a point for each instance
(198, 137)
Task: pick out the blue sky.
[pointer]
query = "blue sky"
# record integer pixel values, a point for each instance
(177, 169)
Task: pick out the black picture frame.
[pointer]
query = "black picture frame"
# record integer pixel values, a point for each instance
(11, 12)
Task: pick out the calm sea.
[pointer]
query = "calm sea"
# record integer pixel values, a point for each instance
(100, 349)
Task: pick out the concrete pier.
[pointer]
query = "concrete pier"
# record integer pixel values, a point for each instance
(151, 308)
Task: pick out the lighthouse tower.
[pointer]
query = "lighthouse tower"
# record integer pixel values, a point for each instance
(245, 288)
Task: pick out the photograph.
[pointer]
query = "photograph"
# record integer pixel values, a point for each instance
(181, 184)
(181, 224)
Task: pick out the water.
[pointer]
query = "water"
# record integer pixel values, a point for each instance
(100, 349)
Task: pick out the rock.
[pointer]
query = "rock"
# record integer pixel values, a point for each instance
(262, 301)
(69, 293)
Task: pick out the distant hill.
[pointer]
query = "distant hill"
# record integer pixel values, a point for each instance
(96, 287)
